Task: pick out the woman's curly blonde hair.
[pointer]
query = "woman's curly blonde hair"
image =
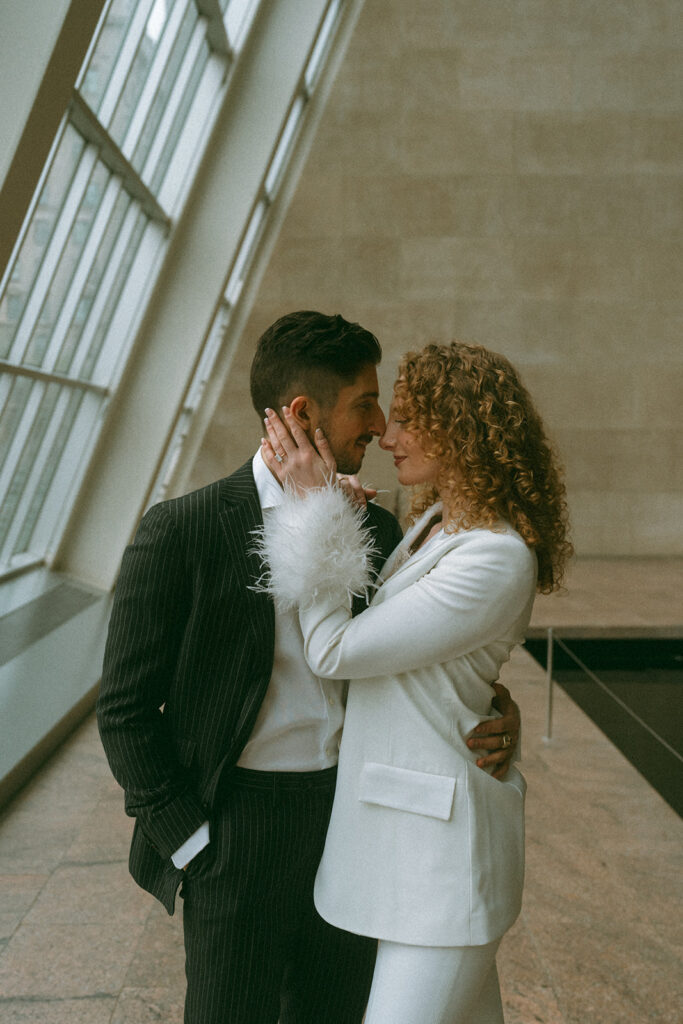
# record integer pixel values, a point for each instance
(469, 409)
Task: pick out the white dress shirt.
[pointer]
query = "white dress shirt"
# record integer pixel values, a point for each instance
(299, 724)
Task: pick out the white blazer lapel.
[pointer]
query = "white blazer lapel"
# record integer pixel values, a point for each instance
(402, 568)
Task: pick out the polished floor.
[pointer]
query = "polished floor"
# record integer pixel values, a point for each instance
(600, 937)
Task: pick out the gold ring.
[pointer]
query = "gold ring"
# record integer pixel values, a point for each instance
(506, 740)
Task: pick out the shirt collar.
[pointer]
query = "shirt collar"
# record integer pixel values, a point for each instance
(270, 493)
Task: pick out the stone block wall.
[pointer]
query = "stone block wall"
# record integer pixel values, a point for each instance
(508, 173)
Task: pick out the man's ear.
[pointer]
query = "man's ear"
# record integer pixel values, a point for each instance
(305, 411)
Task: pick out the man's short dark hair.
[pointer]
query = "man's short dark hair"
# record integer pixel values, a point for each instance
(312, 354)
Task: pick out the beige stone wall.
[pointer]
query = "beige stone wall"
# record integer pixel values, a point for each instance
(508, 173)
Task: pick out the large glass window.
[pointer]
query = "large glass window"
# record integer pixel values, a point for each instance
(74, 289)
(237, 14)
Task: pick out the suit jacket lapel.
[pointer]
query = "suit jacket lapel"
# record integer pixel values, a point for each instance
(240, 514)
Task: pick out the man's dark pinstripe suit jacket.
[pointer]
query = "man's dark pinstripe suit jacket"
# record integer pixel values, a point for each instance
(189, 636)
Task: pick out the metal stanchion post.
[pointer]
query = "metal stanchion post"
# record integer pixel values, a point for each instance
(549, 682)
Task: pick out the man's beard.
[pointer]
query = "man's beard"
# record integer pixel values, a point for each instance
(350, 461)
(344, 465)
(348, 457)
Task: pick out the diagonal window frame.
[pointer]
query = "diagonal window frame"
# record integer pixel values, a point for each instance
(93, 369)
(31, 522)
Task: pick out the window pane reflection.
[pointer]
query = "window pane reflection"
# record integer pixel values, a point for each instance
(107, 52)
(147, 47)
(132, 237)
(165, 87)
(24, 465)
(65, 268)
(65, 418)
(91, 286)
(16, 393)
(180, 118)
(38, 235)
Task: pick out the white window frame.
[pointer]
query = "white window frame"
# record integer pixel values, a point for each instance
(53, 532)
(110, 363)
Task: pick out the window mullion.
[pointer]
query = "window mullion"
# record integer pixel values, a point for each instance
(92, 364)
(79, 278)
(19, 439)
(326, 33)
(216, 35)
(102, 296)
(60, 378)
(85, 122)
(5, 385)
(52, 256)
(153, 80)
(245, 16)
(288, 133)
(24, 503)
(183, 162)
(174, 101)
(246, 251)
(124, 62)
(111, 359)
(71, 461)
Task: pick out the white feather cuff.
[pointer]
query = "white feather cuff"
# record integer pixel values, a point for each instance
(313, 549)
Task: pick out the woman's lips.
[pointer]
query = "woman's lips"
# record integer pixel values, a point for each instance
(398, 459)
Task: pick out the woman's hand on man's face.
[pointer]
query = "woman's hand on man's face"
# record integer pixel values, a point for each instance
(289, 454)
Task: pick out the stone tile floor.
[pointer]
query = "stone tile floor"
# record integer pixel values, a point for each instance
(635, 594)
(599, 940)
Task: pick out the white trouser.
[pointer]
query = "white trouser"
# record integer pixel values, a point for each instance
(435, 985)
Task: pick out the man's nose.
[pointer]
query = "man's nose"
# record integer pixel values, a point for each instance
(380, 423)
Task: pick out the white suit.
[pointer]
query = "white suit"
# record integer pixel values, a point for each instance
(423, 847)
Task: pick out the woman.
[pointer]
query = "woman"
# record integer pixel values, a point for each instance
(424, 850)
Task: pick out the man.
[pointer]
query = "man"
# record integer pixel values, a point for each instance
(224, 741)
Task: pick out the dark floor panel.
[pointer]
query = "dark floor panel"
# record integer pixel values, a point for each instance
(633, 690)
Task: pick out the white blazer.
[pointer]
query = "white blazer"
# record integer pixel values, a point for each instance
(423, 847)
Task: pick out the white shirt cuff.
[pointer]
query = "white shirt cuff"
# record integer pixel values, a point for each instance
(192, 846)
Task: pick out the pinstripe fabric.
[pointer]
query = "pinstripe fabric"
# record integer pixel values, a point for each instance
(257, 951)
(188, 634)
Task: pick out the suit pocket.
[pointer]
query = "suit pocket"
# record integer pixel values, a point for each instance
(407, 790)
(201, 863)
(496, 817)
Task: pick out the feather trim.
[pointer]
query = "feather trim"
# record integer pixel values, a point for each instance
(314, 548)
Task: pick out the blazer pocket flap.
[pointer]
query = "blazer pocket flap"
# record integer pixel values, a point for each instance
(407, 790)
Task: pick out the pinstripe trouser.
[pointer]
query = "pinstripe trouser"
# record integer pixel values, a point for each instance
(256, 949)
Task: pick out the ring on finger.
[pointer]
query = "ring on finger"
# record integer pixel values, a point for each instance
(506, 740)
(280, 456)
